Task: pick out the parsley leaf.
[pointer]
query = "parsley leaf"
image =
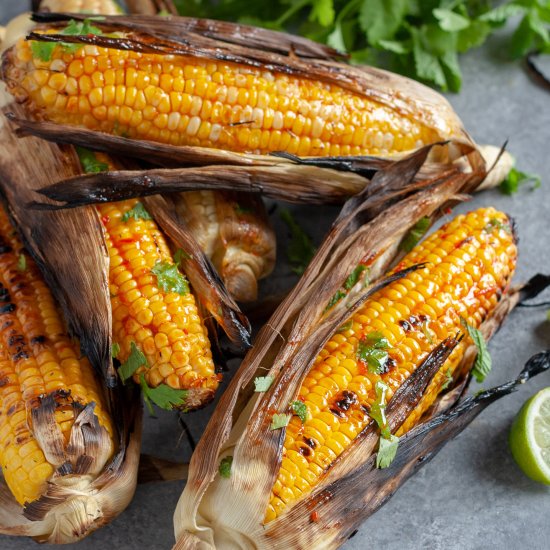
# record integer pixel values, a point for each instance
(354, 276)
(22, 262)
(225, 466)
(262, 383)
(378, 409)
(450, 21)
(448, 380)
(115, 350)
(170, 279)
(138, 212)
(181, 255)
(372, 351)
(135, 360)
(417, 231)
(89, 162)
(483, 363)
(387, 449)
(495, 223)
(279, 421)
(299, 408)
(162, 396)
(43, 50)
(516, 178)
(300, 249)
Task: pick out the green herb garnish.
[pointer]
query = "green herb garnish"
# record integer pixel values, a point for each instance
(225, 466)
(354, 276)
(299, 408)
(516, 178)
(387, 449)
(338, 295)
(346, 326)
(22, 262)
(417, 231)
(135, 360)
(448, 380)
(300, 249)
(279, 421)
(372, 351)
(181, 255)
(483, 363)
(89, 162)
(162, 396)
(44, 50)
(170, 279)
(494, 223)
(115, 350)
(427, 332)
(262, 383)
(138, 212)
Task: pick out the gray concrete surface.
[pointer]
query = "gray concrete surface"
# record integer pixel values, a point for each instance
(471, 495)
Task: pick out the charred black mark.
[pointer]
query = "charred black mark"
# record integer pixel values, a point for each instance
(65, 469)
(12, 409)
(4, 381)
(8, 308)
(390, 364)
(347, 399)
(6, 324)
(38, 340)
(353, 534)
(22, 354)
(17, 339)
(364, 409)
(4, 294)
(304, 451)
(20, 440)
(5, 249)
(310, 442)
(337, 412)
(405, 325)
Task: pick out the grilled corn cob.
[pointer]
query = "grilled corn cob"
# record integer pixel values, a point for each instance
(38, 360)
(469, 263)
(153, 307)
(191, 101)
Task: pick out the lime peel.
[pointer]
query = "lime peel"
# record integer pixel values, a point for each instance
(530, 437)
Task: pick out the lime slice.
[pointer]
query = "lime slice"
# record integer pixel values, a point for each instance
(530, 437)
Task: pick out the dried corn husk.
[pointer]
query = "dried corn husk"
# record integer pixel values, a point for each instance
(229, 513)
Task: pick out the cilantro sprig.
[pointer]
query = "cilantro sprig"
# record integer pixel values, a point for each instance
(169, 278)
(419, 39)
(415, 234)
(44, 50)
(387, 446)
(135, 360)
(162, 396)
(138, 212)
(225, 466)
(373, 351)
(89, 161)
(483, 363)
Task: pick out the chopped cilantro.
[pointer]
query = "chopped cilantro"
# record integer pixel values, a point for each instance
(516, 178)
(89, 162)
(300, 249)
(495, 223)
(372, 351)
(299, 408)
(115, 350)
(170, 279)
(225, 466)
(354, 276)
(44, 50)
(162, 396)
(338, 295)
(135, 360)
(448, 380)
(387, 449)
(346, 326)
(181, 255)
(138, 212)
(22, 262)
(417, 231)
(427, 332)
(483, 362)
(279, 421)
(262, 383)
(378, 409)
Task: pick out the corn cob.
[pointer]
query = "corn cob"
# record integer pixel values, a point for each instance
(164, 324)
(191, 101)
(105, 7)
(37, 359)
(470, 262)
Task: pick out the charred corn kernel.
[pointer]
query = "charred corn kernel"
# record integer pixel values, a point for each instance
(339, 389)
(159, 322)
(105, 7)
(252, 110)
(37, 358)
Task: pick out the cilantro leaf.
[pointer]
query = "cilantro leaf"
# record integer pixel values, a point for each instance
(162, 396)
(225, 466)
(450, 21)
(338, 295)
(115, 350)
(22, 262)
(378, 408)
(279, 421)
(299, 408)
(483, 363)
(346, 326)
(495, 223)
(516, 178)
(181, 255)
(387, 449)
(43, 50)
(448, 380)
(372, 351)
(300, 249)
(380, 19)
(170, 279)
(262, 383)
(322, 11)
(89, 162)
(135, 360)
(417, 231)
(354, 276)
(138, 212)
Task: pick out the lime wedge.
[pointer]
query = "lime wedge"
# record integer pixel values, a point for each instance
(530, 437)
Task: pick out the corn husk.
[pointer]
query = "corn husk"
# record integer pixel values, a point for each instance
(228, 513)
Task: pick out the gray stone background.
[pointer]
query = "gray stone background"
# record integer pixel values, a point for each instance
(471, 495)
